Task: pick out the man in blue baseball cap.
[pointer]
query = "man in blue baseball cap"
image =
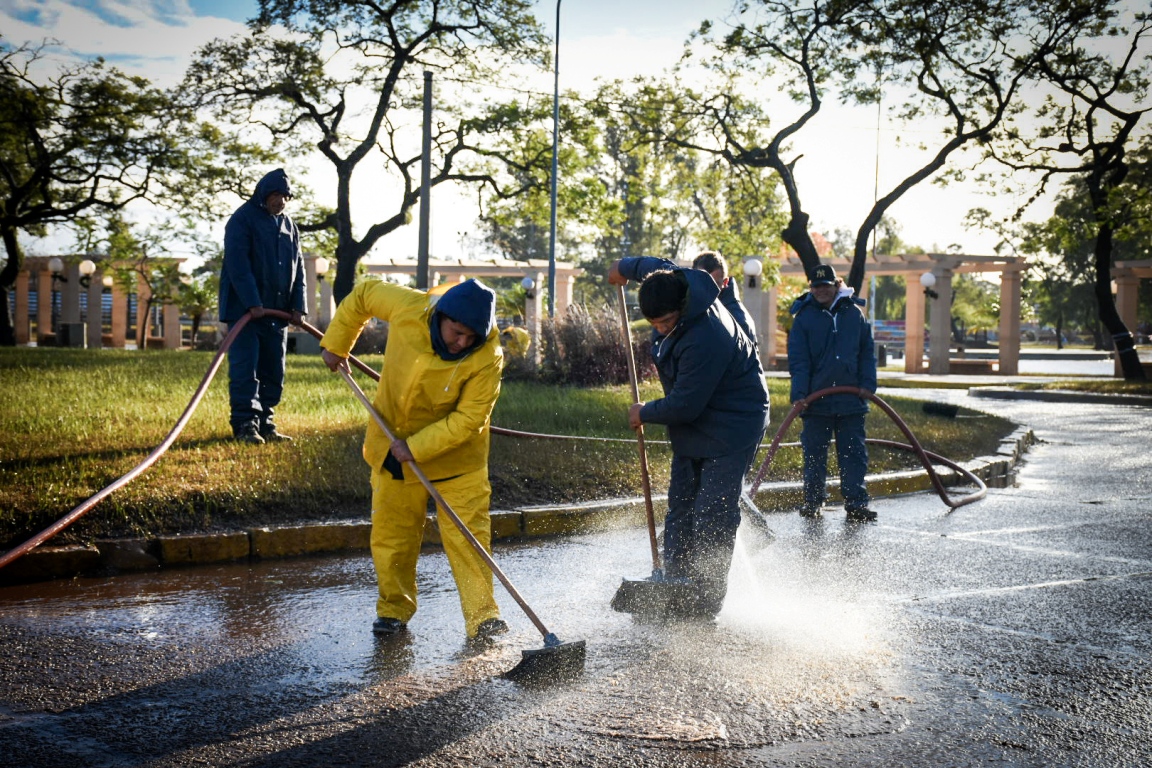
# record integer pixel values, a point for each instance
(831, 345)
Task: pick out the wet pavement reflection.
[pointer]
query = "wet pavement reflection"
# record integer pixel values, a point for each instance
(1011, 631)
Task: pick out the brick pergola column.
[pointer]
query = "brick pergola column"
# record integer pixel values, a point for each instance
(1009, 331)
(913, 324)
(22, 329)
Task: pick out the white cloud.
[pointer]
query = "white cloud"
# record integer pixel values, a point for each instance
(153, 39)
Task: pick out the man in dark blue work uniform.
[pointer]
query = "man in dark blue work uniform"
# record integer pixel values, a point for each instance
(715, 407)
(714, 264)
(263, 269)
(830, 345)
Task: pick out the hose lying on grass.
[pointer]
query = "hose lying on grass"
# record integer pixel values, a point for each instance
(84, 507)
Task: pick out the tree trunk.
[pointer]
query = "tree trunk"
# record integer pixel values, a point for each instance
(1122, 338)
(7, 283)
(1059, 330)
(142, 331)
(796, 235)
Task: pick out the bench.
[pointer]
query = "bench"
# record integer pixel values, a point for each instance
(971, 365)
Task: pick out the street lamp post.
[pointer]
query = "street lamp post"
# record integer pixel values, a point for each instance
(555, 169)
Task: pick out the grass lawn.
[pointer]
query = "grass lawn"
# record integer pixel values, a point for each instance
(73, 421)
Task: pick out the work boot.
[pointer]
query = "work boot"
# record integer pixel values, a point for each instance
(385, 626)
(248, 434)
(861, 515)
(489, 628)
(270, 435)
(809, 510)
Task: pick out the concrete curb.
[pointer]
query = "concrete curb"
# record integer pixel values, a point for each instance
(135, 555)
(1059, 396)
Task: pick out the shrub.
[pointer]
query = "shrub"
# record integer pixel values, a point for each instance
(583, 348)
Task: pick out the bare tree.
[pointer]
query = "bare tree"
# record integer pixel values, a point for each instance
(959, 63)
(344, 78)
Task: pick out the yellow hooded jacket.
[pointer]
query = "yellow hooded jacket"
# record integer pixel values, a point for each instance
(441, 408)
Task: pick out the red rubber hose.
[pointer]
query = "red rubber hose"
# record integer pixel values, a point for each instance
(913, 445)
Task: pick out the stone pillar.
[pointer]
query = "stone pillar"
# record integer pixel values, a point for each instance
(94, 316)
(565, 289)
(913, 324)
(22, 329)
(768, 327)
(44, 327)
(1009, 330)
(70, 294)
(173, 335)
(533, 315)
(753, 297)
(1127, 291)
(119, 317)
(327, 306)
(940, 323)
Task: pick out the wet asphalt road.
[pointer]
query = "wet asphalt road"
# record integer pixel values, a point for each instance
(1014, 631)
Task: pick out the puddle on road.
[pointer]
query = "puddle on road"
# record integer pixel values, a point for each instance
(799, 651)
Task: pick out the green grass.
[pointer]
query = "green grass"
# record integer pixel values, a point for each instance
(73, 421)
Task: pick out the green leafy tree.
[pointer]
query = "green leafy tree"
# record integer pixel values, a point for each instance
(344, 79)
(197, 297)
(975, 307)
(516, 213)
(87, 139)
(1094, 91)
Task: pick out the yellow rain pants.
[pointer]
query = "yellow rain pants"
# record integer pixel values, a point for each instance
(399, 513)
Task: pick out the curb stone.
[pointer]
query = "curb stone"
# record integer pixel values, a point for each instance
(1059, 396)
(133, 555)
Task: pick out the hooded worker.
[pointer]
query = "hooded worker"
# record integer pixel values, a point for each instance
(715, 407)
(263, 268)
(438, 386)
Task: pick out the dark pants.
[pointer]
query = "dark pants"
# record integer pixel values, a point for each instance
(703, 515)
(851, 455)
(256, 372)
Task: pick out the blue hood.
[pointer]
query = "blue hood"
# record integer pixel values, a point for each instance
(273, 181)
(471, 303)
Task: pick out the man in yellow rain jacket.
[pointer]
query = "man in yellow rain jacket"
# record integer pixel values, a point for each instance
(439, 384)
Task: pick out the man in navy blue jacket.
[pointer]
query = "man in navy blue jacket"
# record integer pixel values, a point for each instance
(263, 269)
(830, 345)
(715, 407)
(713, 263)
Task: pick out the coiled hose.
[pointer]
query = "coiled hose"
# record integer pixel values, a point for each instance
(913, 445)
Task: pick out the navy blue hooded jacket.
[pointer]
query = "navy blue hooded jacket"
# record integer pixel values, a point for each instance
(730, 298)
(831, 348)
(263, 264)
(715, 400)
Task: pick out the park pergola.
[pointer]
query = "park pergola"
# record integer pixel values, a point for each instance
(762, 304)
(61, 319)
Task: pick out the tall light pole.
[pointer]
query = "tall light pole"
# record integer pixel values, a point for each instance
(555, 169)
(876, 193)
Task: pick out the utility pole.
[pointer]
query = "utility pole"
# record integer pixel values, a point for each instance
(555, 169)
(425, 187)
